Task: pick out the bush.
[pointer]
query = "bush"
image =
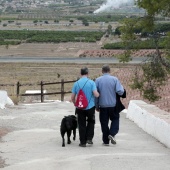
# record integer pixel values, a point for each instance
(4, 25)
(49, 36)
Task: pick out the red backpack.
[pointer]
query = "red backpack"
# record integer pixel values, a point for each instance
(81, 101)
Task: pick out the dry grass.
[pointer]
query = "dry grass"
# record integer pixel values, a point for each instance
(48, 50)
(34, 73)
(15, 99)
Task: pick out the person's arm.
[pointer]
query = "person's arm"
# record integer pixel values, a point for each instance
(124, 94)
(94, 88)
(73, 98)
(95, 93)
(73, 95)
(97, 99)
(97, 104)
(119, 88)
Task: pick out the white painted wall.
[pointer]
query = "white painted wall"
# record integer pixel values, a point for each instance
(151, 119)
(4, 99)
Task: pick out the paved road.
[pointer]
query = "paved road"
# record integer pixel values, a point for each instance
(35, 143)
(67, 60)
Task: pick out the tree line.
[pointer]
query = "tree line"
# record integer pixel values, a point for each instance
(148, 42)
(158, 28)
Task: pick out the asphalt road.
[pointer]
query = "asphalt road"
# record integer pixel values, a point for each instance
(13, 59)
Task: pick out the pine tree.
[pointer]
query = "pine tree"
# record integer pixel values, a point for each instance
(152, 73)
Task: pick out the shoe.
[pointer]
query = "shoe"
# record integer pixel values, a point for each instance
(113, 140)
(105, 144)
(82, 145)
(89, 142)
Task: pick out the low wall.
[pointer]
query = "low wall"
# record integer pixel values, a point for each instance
(4, 99)
(151, 119)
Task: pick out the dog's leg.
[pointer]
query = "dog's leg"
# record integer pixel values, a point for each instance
(68, 136)
(63, 140)
(74, 134)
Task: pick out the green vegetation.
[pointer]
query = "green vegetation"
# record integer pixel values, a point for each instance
(2, 42)
(152, 74)
(8, 36)
(158, 28)
(102, 18)
(161, 28)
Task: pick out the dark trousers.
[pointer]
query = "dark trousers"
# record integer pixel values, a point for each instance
(86, 122)
(104, 116)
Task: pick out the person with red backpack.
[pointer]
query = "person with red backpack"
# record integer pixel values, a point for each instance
(83, 96)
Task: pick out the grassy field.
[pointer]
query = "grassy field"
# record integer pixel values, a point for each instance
(34, 73)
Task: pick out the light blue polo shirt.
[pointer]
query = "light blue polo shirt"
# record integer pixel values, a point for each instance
(88, 89)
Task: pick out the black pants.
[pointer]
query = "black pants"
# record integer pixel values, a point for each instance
(104, 116)
(86, 122)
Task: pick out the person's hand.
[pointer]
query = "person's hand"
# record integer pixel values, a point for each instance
(97, 109)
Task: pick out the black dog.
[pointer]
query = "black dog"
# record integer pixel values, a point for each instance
(68, 124)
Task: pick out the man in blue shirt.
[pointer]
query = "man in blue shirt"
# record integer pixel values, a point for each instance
(86, 117)
(107, 87)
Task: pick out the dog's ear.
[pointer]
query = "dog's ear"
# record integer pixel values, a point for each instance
(74, 117)
(65, 117)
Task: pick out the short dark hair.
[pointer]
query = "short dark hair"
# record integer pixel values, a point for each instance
(84, 71)
(105, 68)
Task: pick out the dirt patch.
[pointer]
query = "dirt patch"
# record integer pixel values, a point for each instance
(48, 49)
(3, 132)
(2, 163)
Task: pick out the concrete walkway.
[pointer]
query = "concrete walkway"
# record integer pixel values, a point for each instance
(35, 143)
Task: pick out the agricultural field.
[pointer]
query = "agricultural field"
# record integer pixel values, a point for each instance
(54, 24)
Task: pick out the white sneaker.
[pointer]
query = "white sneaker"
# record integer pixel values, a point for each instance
(113, 140)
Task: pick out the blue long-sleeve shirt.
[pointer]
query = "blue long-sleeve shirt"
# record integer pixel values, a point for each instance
(107, 87)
